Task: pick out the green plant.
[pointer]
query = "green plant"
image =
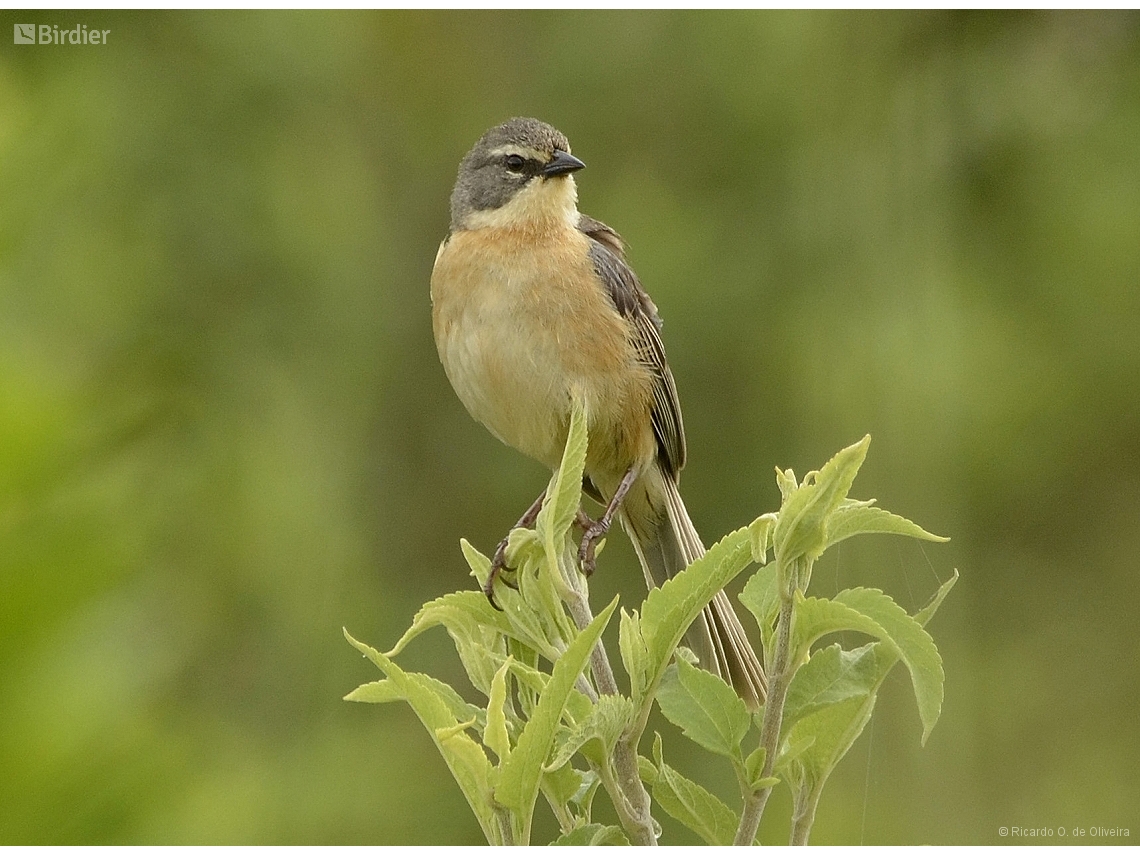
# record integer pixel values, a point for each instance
(570, 731)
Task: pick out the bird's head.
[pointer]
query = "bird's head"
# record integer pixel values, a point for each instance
(518, 175)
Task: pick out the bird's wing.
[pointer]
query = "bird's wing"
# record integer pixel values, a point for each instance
(631, 301)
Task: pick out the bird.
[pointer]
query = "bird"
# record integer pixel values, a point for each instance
(534, 306)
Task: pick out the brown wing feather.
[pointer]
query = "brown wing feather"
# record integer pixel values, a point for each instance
(630, 299)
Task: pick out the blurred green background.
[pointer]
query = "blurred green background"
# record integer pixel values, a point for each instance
(225, 433)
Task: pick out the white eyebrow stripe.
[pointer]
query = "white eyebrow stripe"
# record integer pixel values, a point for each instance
(522, 151)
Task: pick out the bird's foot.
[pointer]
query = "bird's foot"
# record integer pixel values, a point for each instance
(498, 565)
(595, 530)
(499, 559)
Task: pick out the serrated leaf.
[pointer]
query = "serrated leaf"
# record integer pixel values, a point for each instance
(816, 617)
(519, 774)
(855, 518)
(830, 676)
(915, 646)
(691, 804)
(705, 707)
(460, 610)
(480, 650)
(800, 529)
(374, 693)
(609, 718)
(465, 758)
(593, 835)
(671, 608)
(578, 708)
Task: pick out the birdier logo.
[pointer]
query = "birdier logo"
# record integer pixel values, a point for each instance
(49, 34)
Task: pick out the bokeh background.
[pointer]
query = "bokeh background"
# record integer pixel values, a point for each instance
(225, 434)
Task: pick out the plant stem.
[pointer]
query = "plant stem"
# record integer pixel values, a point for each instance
(803, 817)
(626, 791)
(773, 717)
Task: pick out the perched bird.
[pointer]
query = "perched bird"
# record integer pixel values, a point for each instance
(534, 305)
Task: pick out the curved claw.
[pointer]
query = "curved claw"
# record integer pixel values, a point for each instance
(586, 551)
(596, 530)
(499, 559)
(498, 565)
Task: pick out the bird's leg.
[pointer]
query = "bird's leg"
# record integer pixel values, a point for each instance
(499, 560)
(599, 528)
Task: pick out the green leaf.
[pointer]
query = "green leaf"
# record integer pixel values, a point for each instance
(671, 608)
(852, 518)
(831, 675)
(871, 611)
(495, 736)
(380, 692)
(761, 530)
(479, 563)
(816, 617)
(519, 774)
(465, 758)
(761, 596)
(480, 649)
(754, 770)
(604, 726)
(564, 495)
(461, 610)
(915, 646)
(786, 481)
(646, 770)
(927, 612)
(593, 835)
(562, 784)
(634, 654)
(800, 529)
(384, 691)
(820, 724)
(517, 616)
(691, 804)
(584, 798)
(705, 707)
(525, 548)
(792, 747)
(826, 735)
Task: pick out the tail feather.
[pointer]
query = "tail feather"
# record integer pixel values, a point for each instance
(717, 637)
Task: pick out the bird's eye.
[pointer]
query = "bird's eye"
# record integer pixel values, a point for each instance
(515, 163)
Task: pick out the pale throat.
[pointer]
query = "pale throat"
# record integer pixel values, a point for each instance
(544, 203)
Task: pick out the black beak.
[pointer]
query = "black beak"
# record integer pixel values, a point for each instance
(563, 163)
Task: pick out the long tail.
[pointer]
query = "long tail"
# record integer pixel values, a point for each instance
(717, 637)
